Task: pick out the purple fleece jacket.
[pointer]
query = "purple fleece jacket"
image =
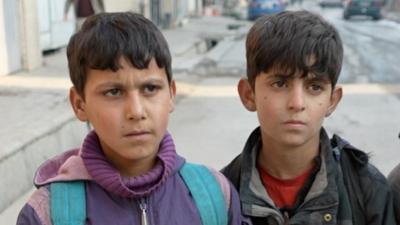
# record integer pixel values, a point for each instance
(112, 199)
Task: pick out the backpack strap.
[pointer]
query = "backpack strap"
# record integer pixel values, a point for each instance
(206, 192)
(68, 203)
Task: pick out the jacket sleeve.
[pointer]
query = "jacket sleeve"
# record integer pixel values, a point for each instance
(394, 181)
(28, 216)
(235, 214)
(232, 200)
(378, 199)
(36, 211)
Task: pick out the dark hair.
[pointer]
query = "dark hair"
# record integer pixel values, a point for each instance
(107, 37)
(293, 42)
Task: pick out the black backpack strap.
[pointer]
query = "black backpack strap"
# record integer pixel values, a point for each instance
(349, 166)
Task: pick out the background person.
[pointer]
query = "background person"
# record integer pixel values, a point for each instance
(83, 9)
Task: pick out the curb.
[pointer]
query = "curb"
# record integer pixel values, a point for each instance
(24, 161)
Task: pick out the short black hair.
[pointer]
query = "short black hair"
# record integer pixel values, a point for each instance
(293, 42)
(105, 38)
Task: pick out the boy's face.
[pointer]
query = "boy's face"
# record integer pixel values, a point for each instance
(290, 109)
(129, 110)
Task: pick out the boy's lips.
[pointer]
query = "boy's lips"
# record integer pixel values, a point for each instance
(294, 122)
(138, 133)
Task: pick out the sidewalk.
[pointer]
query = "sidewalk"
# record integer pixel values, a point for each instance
(37, 121)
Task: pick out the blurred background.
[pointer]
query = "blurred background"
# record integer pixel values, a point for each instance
(206, 38)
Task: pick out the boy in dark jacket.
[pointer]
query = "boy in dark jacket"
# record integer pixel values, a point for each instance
(120, 68)
(290, 171)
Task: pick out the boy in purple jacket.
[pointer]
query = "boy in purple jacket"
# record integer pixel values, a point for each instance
(120, 67)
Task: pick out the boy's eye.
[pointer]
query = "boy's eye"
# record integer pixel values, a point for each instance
(113, 92)
(150, 88)
(279, 83)
(315, 87)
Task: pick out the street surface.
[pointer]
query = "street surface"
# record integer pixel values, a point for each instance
(211, 126)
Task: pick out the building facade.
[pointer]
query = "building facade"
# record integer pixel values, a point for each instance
(26, 33)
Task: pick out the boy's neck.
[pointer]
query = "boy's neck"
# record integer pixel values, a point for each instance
(285, 162)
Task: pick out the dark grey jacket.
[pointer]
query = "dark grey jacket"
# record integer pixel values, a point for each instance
(326, 198)
(394, 180)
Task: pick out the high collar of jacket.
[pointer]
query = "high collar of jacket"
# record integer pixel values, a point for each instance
(89, 163)
(110, 179)
(255, 199)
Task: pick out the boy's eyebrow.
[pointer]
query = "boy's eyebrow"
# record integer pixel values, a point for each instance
(108, 85)
(281, 75)
(308, 77)
(117, 84)
(153, 79)
(316, 78)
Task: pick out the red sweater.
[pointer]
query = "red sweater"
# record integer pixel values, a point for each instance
(283, 192)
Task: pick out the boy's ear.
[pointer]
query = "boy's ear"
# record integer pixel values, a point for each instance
(246, 94)
(78, 104)
(337, 94)
(172, 91)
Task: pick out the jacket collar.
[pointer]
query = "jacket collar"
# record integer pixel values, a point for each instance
(89, 163)
(256, 201)
(110, 179)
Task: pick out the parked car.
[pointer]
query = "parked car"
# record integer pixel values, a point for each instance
(371, 8)
(257, 8)
(330, 3)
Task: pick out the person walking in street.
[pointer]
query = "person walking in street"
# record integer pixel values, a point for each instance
(127, 170)
(83, 9)
(290, 171)
(394, 181)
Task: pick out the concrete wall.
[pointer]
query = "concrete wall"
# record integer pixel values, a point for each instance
(122, 5)
(139, 6)
(3, 46)
(195, 7)
(28, 42)
(175, 13)
(29, 34)
(24, 162)
(10, 51)
(30, 55)
(19, 49)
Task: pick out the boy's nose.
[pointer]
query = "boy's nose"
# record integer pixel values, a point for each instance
(296, 99)
(134, 108)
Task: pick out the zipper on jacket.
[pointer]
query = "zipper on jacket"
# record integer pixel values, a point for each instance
(285, 217)
(143, 208)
